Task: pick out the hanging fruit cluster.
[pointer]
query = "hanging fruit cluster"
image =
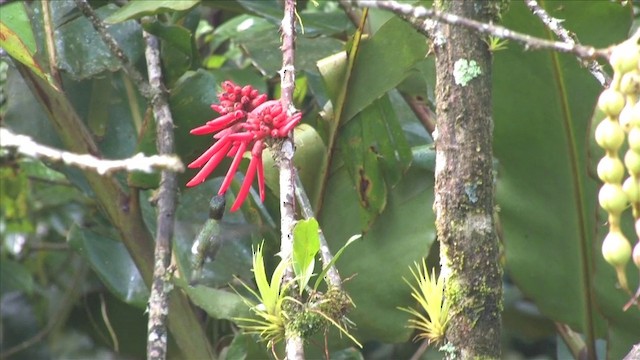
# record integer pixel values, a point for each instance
(620, 103)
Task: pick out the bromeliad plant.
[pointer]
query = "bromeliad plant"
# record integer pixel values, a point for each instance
(309, 311)
(247, 121)
(430, 297)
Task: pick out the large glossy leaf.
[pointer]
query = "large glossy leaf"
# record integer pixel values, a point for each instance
(542, 104)
(110, 260)
(82, 53)
(263, 48)
(18, 39)
(138, 9)
(382, 63)
(400, 235)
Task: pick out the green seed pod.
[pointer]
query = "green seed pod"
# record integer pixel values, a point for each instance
(610, 169)
(631, 188)
(634, 139)
(624, 57)
(609, 135)
(632, 162)
(612, 199)
(636, 255)
(616, 249)
(611, 102)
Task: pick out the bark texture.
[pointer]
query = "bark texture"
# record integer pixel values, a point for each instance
(464, 189)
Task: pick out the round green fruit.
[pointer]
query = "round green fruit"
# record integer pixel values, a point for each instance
(624, 57)
(616, 249)
(632, 162)
(610, 169)
(611, 102)
(612, 198)
(631, 187)
(609, 135)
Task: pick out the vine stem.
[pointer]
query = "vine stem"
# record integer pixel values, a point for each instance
(294, 347)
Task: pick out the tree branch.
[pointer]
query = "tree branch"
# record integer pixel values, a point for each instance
(555, 25)
(158, 300)
(115, 49)
(27, 146)
(414, 14)
(333, 277)
(464, 186)
(294, 344)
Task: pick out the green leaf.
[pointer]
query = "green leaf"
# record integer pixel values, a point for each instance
(401, 235)
(217, 303)
(139, 8)
(14, 276)
(309, 156)
(262, 46)
(548, 206)
(177, 50)
(17, 38)
(110, 260)
(364, 168)
(382, 63)
(82, 53)
(306, 244)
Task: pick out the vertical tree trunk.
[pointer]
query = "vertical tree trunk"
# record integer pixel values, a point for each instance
(464, 189)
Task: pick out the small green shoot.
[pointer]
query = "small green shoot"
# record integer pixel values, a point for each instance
(496, 44)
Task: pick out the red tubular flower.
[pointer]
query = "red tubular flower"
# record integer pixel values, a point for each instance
(246, 120)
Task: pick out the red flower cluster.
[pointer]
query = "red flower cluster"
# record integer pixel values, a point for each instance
(246, 120)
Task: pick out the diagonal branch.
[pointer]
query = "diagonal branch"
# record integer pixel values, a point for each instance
(116, 50)
(333, 277)
(415, 15)
(27, 146)
(555, 25)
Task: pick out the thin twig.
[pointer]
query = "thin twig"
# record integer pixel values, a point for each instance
(27, 146)
(111, 43)
(294, 345)
(414, 14)
(158, 300)
(555, 25)
(333, 277)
